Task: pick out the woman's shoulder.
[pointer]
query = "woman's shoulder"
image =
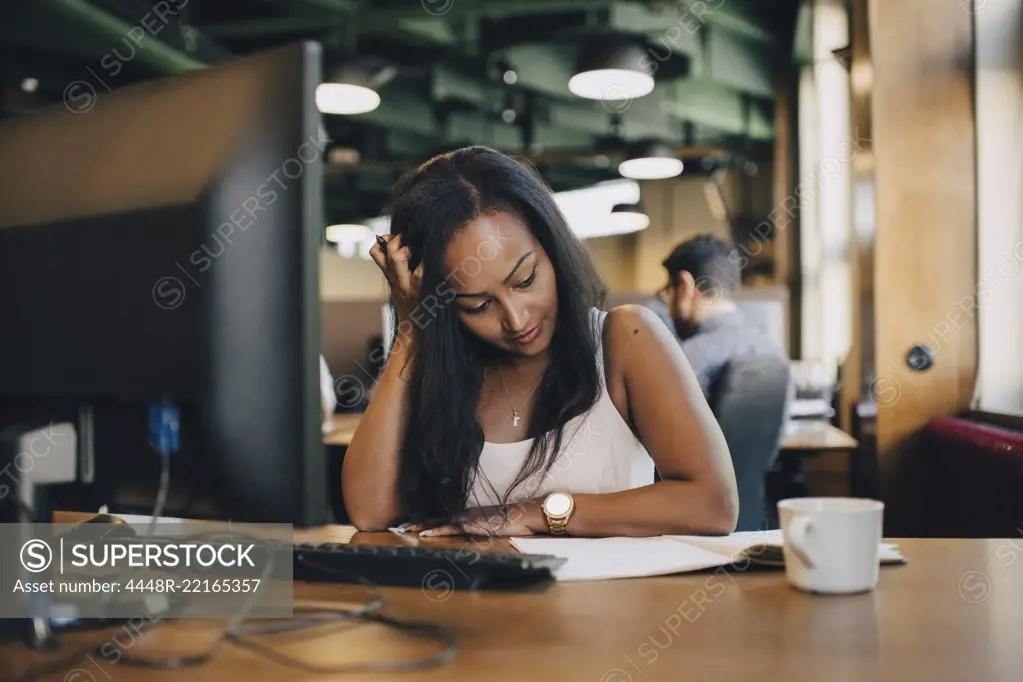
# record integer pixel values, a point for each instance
(631, 327)
(632, 318)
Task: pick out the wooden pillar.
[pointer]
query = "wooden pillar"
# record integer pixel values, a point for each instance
(917, 229)
(786, 235)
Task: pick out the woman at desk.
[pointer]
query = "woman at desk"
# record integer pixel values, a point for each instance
(510, 403)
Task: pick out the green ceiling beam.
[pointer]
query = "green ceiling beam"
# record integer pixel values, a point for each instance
(581, 115)
(26, 27)
(802, 41)
(560, 137)
(716, 106)
(332, 5)
(402, 109)
(716, 50)
(401, 143)
(729, 15)
(542, 67)
(731, 61)
(688, 16)
(635, 18)
(448, 84)
(421, 25)
(255, 28)
(646, 118)
(732, 15)
(427, 28)
(487, 8)
(470, 126)
(151, 51)
(387, 19)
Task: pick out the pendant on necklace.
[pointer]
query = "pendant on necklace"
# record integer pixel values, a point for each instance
(515, 418)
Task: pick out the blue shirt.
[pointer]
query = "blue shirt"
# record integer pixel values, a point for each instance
(710, 345)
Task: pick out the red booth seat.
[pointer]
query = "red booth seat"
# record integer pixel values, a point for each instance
(972, 479)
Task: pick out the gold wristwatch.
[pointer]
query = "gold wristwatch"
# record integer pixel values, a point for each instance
(558, 508)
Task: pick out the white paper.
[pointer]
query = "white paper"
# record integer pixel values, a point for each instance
(619, 557)
(609, 558)
(733, 545)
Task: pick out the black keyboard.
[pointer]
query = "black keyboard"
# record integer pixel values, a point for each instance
(429, 568)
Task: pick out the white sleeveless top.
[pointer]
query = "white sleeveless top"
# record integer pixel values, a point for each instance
(599, 454)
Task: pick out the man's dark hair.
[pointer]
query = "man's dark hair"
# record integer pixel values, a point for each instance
(713, 263)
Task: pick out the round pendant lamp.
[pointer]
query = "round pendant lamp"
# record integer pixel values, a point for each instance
(629, 218)
(611, 67)
(651, 161)
(347, 92)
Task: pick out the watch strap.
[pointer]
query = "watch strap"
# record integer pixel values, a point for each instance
(557, 525)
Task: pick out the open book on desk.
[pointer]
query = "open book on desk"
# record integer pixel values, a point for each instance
(621, 557)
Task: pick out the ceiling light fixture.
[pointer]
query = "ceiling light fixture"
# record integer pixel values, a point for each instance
(611, 68)
(651, 161)
(629, 218)
(349, 237)
(348, 92)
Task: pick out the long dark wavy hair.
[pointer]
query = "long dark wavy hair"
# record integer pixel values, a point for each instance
(443, 439)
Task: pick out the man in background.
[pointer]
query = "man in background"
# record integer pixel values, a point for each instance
(704, 280)
(659, 303)
(743, 372)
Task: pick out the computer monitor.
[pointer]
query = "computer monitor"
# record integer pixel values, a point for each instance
(163, 246)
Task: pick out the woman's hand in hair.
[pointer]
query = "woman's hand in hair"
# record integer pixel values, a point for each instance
(392, 258)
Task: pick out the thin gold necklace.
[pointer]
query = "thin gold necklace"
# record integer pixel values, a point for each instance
(515, 413)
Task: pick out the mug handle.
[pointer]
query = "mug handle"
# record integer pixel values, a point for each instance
(797, 533)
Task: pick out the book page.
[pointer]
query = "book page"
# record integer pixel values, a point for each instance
(735, 544)
(611, 558)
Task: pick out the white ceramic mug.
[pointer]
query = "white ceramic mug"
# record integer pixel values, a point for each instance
(832, 544)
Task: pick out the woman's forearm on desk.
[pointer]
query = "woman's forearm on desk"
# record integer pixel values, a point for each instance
(369, 475)
(667, 507)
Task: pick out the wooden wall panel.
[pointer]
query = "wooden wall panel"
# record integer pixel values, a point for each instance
(925, 251)
(783, 192)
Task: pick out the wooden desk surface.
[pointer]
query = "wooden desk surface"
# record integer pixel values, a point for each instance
(812, 434)
(951, 614)
(343, 428)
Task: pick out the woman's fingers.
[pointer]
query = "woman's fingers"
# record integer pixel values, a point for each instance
(491, 526)
(393, 244)
(392, 257)
(399, 266)
(379, 256)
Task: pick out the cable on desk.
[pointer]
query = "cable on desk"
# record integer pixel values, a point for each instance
(369, 613)
(164, 433)
(164, 442)
(165, 439)
(423, 629)
(240, 635)
(161, 495)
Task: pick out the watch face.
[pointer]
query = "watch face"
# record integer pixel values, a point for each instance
(558, 504)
